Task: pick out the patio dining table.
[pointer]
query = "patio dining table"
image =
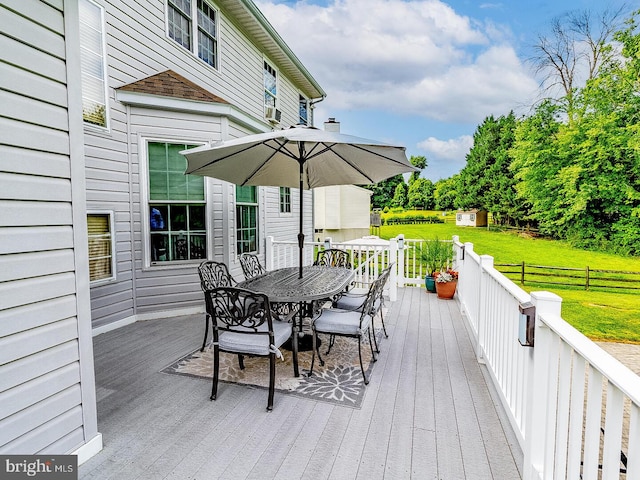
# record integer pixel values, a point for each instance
(284, 285)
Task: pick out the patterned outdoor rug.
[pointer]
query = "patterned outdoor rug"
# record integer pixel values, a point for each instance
(339, 381)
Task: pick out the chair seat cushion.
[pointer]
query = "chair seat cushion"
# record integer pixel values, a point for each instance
(252, 344)
(341, 322)
(348, 302)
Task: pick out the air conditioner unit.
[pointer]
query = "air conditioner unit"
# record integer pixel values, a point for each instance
(272, 114)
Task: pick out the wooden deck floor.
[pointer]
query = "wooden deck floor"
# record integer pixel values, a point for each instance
(428, 412)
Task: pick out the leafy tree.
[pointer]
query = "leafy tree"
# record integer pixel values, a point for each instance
(575, 49)
(384, 191)
(400, 197)
(445, 193)
(582, 178)
(419, 162)
(420, 193)
(487, 181)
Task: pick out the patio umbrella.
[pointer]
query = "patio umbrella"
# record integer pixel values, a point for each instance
(298, 157)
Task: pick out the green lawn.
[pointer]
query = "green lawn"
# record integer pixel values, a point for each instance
(597, 314)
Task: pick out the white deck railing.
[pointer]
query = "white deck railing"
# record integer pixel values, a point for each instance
(574, 408)
(368, 259)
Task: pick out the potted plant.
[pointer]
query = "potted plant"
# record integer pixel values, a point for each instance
(436, 256)
(446, 283)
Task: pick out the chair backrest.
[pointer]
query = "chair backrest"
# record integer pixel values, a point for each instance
(378, 288)
(333, 257)
(251, 266)
(238, 310)
(214, 274)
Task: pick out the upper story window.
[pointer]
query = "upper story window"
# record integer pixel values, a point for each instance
(93, 63)
(181, 25)
(270, 86)
(285, 200)
(304, 111)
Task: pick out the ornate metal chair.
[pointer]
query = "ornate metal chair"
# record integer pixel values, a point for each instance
(346, 323)
(333, 257)
(354, 299)
(251, 266)
(212, 275)
(242, 324)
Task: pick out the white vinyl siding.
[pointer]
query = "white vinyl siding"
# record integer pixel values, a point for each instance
(47, 394)
(93, 64)
(139, 46)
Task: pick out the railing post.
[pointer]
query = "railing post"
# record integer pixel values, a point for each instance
(538, 439)
(394, 278)
(486, 261)
(398, 254)
(268, 253)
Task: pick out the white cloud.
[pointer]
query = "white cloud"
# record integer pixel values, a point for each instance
(411, 58)
(445, 157)
(452, 149)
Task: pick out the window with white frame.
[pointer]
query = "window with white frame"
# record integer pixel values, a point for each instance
(93, 63)
(270, 86)
(285, 200)
(304, 111)
(101, 246)
(181, 27)
(177, 208)
(246, 219)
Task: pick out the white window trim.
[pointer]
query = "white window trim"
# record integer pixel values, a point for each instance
(308, 102)
(145, 228)
(290, 212)
(112, 223)
(257, 204)
(107, 117)
(194, 33)
(277, 96)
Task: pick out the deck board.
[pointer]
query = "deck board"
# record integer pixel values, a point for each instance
(428, 412)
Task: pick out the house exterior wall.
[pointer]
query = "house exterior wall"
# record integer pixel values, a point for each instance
(47, 387)
(138, 47)
(341, 212)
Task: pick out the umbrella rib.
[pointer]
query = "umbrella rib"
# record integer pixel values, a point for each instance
(266, 160)
(212, 162)
(329, 147)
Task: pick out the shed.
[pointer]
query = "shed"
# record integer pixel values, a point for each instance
(472, 218)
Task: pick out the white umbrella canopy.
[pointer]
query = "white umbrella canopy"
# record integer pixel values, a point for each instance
(298, 157)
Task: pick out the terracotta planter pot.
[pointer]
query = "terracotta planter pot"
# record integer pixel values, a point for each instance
(446, 289)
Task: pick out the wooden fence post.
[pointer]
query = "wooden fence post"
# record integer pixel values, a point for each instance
(586, 286)
(522, 274)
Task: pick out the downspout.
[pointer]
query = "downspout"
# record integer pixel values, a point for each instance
(312, 105)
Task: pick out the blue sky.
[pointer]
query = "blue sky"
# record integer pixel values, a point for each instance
(423, 74)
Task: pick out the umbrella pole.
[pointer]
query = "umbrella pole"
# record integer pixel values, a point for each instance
(301, 234)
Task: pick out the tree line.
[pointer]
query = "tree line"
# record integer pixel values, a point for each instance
(571, 168)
